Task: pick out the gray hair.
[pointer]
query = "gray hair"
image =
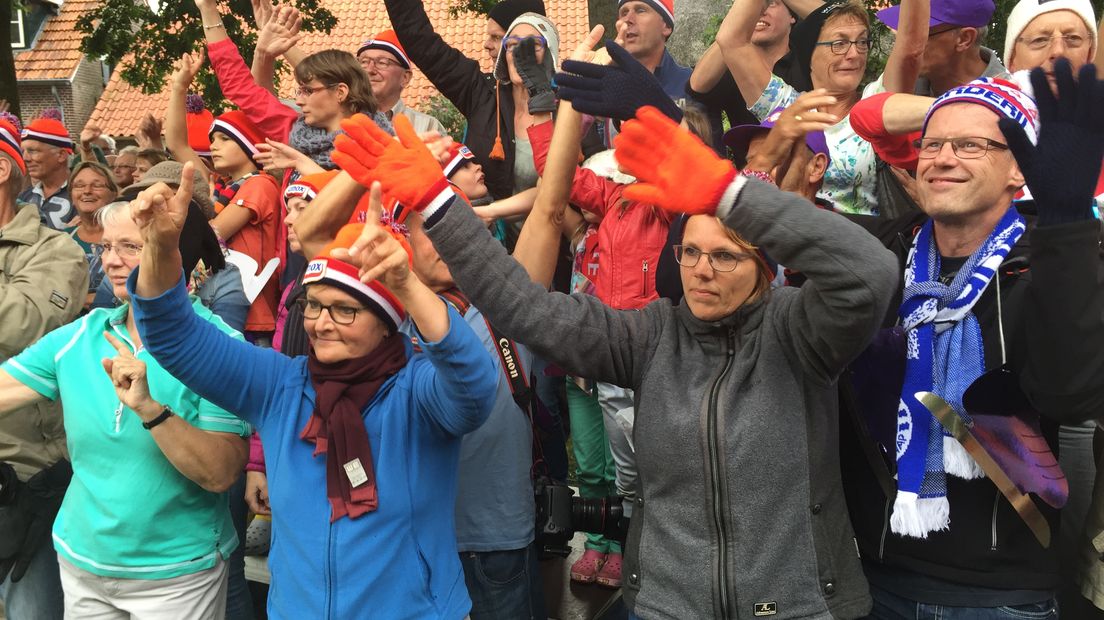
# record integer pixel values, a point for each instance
(111, 212)
(129, 150)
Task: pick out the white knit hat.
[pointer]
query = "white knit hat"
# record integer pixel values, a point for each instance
(1027, 10)
(547, 29)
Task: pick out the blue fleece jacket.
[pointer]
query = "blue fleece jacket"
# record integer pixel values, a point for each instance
(397, 562)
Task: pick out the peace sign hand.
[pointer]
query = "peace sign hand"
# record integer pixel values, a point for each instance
(160, 212)
(128, 375)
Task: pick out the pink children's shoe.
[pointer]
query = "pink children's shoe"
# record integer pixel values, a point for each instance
(585, 569)
(610, 574)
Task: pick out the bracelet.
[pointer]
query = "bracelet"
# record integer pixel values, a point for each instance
(213, 26)
(758, 174)
(166, 413)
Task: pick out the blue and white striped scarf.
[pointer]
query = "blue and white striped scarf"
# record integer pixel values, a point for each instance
(944, 356)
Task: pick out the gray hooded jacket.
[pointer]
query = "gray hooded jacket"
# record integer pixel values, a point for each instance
(740, 511)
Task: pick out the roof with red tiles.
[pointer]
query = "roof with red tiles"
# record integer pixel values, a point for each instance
(56, 53)
(122, 106)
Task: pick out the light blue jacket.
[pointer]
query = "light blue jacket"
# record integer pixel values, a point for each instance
(399, 561)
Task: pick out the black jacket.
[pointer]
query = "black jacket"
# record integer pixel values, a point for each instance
(1052, 299)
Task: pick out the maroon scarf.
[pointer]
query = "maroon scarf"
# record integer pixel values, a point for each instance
(343, 389)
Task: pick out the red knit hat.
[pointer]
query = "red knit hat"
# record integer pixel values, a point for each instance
(198, 121)
(235, 125)
(49, 131)
(9, 144)
(665, 8)
(308, 186)
(325, 269)
(387, 41)
(458, 156)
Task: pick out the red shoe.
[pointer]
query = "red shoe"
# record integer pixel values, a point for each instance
(585, 569)
(610, 574)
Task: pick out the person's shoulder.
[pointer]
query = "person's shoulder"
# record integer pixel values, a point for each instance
(261, 182)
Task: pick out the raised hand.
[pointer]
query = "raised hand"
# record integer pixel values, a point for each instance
(279, 156)
(1061, 170)
(149, 132)
(377, 252)
(405, 168)
(674, 169)
(88, 135)
(262, 13)
(584, 51)
(539, 84)
(185, 70)
(615, 91)
(281, 32)
(160, 212)
(128, 375)
(438, 145)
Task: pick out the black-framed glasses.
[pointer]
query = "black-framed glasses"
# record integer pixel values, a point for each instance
(511, 43)
(719, 260)
(122, 249)
(307, 91)
(1072, 41)
(840, 46)
(340, 313)
(379, 63)
(963, 148)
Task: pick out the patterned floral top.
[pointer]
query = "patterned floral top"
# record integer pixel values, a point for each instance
(851, 180)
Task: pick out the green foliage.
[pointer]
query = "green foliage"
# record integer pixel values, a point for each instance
(709, 34)
(479, 7)
(442, 109)
(117, 28)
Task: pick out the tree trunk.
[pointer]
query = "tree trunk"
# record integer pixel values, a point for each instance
(9, 87)
(694, 27)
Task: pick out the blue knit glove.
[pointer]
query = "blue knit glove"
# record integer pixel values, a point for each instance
(1062, 169)
(615, 91)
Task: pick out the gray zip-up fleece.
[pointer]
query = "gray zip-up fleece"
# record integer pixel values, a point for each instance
(740, 512)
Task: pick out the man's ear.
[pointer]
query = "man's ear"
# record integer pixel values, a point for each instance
(1016, 178)
(816, 168)
(407, 76)
(966, 38)
(5, 170)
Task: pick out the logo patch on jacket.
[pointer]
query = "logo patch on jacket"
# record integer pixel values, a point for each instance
(59, 300)
(765, 609)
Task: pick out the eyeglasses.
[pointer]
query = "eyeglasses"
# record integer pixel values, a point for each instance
(963, 148)
(1072, 41)
(96, 187)
(121, 249)
(840, 46)
(307, 91)
(339, 313)
(379, 63)
(510, 43)
(720, 260)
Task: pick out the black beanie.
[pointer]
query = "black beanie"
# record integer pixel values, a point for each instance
(504, 13)
(803, 39)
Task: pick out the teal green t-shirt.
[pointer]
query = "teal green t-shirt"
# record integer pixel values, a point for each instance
(128, 512)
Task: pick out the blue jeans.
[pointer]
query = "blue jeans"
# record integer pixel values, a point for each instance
(889, 606)
(37, 596)
(504, 585)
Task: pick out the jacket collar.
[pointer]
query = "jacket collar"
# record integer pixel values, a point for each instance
(747, 318)
(25, 228)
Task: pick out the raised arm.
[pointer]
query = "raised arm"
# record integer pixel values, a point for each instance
(903, 65)
(802, 8)
(176, 127)
(747, 66)
(709, 70)
(278, 35)
(329, 211)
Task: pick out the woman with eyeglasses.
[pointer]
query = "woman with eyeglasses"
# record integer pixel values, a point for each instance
(144, 529)
(91, 187)
(831, 45)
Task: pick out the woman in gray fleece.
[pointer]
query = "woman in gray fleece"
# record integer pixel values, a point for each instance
(739, 511)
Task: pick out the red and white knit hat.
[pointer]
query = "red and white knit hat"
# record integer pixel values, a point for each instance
(9, 144)
(325, 269)
(1000, 96)
(48, 131)
(665, 8)
(387, 41)
(308, 186)
(458, 156)
(198, 120)
(237, 126)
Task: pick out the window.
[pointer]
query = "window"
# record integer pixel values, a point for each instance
(17, 28)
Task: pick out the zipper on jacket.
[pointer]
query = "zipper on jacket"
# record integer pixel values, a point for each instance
(329, 572)
(644, 284)
(885, 532)
(720, 502)
(996, 505)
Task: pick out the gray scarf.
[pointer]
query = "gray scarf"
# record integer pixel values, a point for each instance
(316, 142)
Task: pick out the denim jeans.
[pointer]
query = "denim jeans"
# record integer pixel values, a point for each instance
(504, 585)
(37, 596)
(889, 606)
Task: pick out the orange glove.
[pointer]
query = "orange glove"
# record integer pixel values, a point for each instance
(404, 168)
(674, 169)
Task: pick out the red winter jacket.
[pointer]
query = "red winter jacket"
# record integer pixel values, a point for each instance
(631, 236)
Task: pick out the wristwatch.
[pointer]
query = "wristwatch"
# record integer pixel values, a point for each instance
(166, 413)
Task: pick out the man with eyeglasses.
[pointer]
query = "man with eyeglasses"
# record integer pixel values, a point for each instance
(939, 42)
(43, 280)
(125, 165)
(998, 294)
(46, 149)
(389, 71)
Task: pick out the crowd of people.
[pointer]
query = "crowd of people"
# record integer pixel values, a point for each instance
(821, 346)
